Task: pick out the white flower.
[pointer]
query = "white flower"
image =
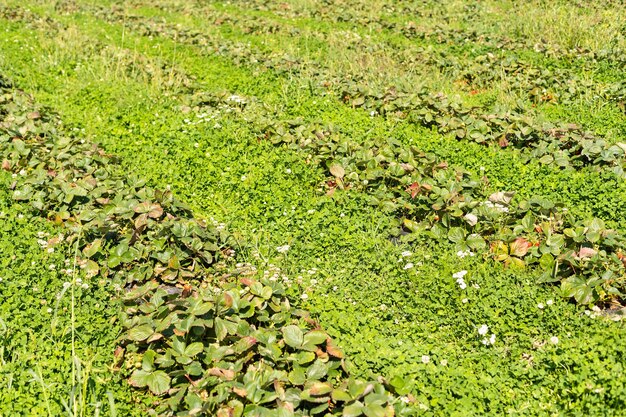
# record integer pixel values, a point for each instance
(461, 283)
(443, 362)
(404, 399)
(49, 310)
(549, 302)
(50, 250)
(406, 254)
(283, 249)
(425, 358)
(66, 284)
(52, 267)
(465, 301)
(84, 286)
(482, 330)
(236, 99)
(476, 286)
(408, 266)
(335, 288)
(459, 275)
(554, 340)
(492, 339)
(462, 254)
(304, 296)
(540, 306)
(288, 171)
(196, 145)
(373, 113)
(310, 211)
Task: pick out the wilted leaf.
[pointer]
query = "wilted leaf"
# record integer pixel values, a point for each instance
(337, 171)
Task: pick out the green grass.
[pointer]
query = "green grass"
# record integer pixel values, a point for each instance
(384, 316)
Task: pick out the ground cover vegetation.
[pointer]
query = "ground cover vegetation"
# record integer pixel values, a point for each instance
(417, 187)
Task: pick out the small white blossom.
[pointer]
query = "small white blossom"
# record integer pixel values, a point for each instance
(66, 284)
(482, 330)
(425, 358)
(459, 275)
(288, 170)
(52, 267)
(304, 296)
(462, 254)
(540, 306)
(461, 283)
(404, 399)
(475, 285)
(554, 340)
(49, 310)
(465, 301)
(549, 302)
(283, 249)
(443, 362)
(408, 266)
(406, 254)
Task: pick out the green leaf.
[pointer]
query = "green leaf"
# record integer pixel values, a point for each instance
(194, 348)
(353, 410)
(140, 333)
(374, 410)
(158, 382)
(93, 248)
(456, 235)
(293, 336)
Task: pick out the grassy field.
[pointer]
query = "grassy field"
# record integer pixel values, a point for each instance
(246, 111)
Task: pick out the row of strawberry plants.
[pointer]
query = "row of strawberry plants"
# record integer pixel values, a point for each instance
(394, 18)
(430, 198)
(564, 145)
(204, 341)
(560, 85)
